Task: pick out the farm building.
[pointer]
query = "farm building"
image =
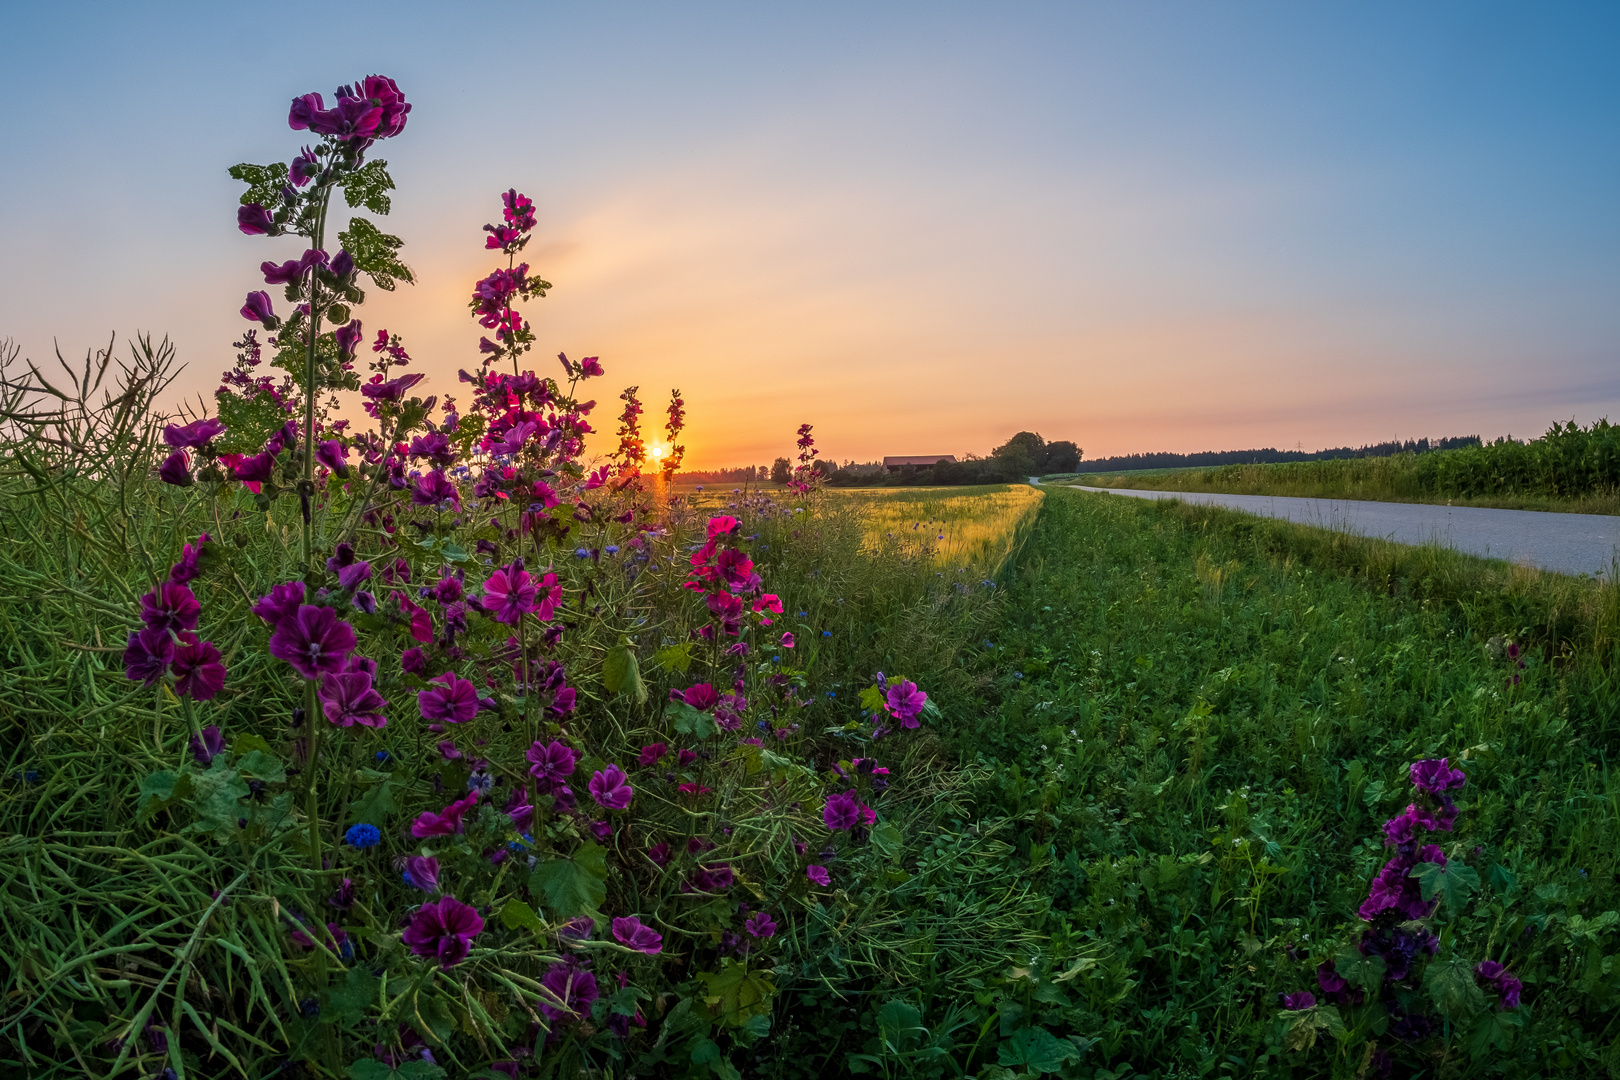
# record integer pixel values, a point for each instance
(917, 461)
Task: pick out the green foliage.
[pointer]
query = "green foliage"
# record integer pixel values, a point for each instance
(264, 182)
(368, 186)
(375, 253)
(621, 674)
(1454, 882)
(573, 886)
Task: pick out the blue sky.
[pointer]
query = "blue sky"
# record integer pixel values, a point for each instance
(1147, 226)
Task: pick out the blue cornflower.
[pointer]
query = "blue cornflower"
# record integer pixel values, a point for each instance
(363, 836)
(826, 633)
(383, 755)
(31, 776)
(832, 693)
(804, 614)
(1018, 674)
(612, 549)
(309, 1008)
(581, 553)
(775, 659)
(763, 725)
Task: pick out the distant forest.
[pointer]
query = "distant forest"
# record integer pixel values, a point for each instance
(1271, 455)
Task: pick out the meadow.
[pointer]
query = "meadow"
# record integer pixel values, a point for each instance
(1570, 469)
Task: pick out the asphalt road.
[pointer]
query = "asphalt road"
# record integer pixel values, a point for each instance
(1566, 543)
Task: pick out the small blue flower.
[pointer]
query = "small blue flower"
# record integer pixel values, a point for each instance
(763, 725)
(832, 693)
(804, 614)
(1018, 674)
(826, 633)
(31, 776)
(612, 549)
(581, 553)
(382, 755)
(409, 881)
(776, 659)
(363, 836)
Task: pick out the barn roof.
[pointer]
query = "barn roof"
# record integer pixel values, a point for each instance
(917, 459)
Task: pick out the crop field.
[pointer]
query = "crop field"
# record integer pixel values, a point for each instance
(974, 527)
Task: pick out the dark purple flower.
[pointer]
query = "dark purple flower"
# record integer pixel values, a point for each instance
(303, 167)
(1511, 989)
(198, 674)
(354, 575)
(701, 697)
(819, 875)
(256, 469)
(170, 607)
(714, 878)
(343, 265)
(348, 698)
(651, 753)
(282, 602)
(255, 220)
(1435, 775)
(422, 872)
(176, 469)
(314, 641)
(348, 337)
(509, 594)
(205, 747)
(258, 309)
(1402, 828)
(412, 662)
(434, 488)
(185, 570)
(194, 435)
(454, 702)
(571, 988)
(443, 931)
(554, 763)
(393, 390)
(760, 925)
(659, 854)
(148, 655)
(445, 823)
(611, 788)
(904, 702)
(384, 93)
(634, 935)
(1411, 1028)
(304, 112)
(1304, 999)
(332, 455)
(842, 811)
(576, 930)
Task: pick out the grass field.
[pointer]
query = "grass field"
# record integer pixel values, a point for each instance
(962, 528)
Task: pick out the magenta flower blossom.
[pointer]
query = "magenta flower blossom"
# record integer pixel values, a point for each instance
(170, 607)
(176, 469)
(701, 697)
(819, 875)
(207, 745)
(553, 763)
(412, 662)
(445, 823)
(348, 698)
(393, 390)
(633, 934)
(611, 788)
(842, 811)
(303, 168)
(787, 639)
(347, 337)
(332, 455)
(194, 435)
(282, 602)
(509, 594)
(1304, 999)
(343, 265)
(760, 925)
(198, 674)
(454, 702)
(1402, 828)
(256, 469)
(258, 309)
(314, 641)
(443, 931)
(293, 269)
(715, 878)
(148, 655)
(1435, 775)
(185, 571)
(422, 872)
(905, 702)
(255, 220)
(572, 988)
(651, 753)
(354, 575)
(435, 488)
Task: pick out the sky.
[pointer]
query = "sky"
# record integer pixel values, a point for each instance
(920, 227)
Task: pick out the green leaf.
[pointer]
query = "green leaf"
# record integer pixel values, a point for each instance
(872, 699)
(1452, 988)
(264, 183)
(418, 1070)
(454, 552)
(888, 838)
(217, 800)
(734, 993)
(376, 802)
(516, 915)
(689, 721)
(161, 790)
(676, 658)
(347, 1004)
(1493, 1030)
(1454, 882)
(375, 253)
(262, 766)
(574, 886)
(1367, 972)
(368, 186)
(436, 1016)
(1037, 1048)
(896, 1021)
(621, 673)
(247, 742)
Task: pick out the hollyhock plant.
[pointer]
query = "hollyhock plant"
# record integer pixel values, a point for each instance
(453, 700)
(314, 641)
(632, 934)
(443, 931)
(553, 763)
(610, 788)
(198, 673)
(760, 925)
(170, 607)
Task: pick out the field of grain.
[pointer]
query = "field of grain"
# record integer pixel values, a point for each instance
(959, 527)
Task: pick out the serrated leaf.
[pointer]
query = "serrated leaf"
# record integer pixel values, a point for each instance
(247, 742)
(575, 886)
(262, 765)
(1452, 988)
(376, 802)
(264, 182)
(675, 658)
(375, 253)
(160, 790)
(872, 699)
(348, 1003)
(897, 1020)
(368, 186)
(217, 800)
(1454, 882)
(1366, 972)
(735, 993)
(516, 915)
(1493, 1030)
(689, 721)
(888, 838)
(621, 673)
(418, 1070)
(1037, 1048)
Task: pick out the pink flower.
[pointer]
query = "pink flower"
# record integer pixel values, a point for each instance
(633, 934)
(651, 753)
(443, 931)
(422, 872)
(760, 925)
(445, 823)
(314, 641)
(905, 702)
(842, 811)
(455, 703)
(701, 697)
(509, 594)
(787, 640)
(611, 788)
(553, 763)
(348, 698)
(819, 875)
(769, 602)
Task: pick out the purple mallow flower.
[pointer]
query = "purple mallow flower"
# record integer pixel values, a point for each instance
(314, 641)
(148, 655)
(760, 925)
(185, 571)
(819, 875)
(553, 763)
(509, 594)
(422, 872)
(904, 702)
(282, 602)
(176, 469)
(255, 220)
(1304, 999)
(445, 823)
(207, 745)
(842, 811)
(1435, 775)
(332, 455)
(170, 607)
(610, 788)
(454, 701)
(194, 435)
(634, 935)
(443, 931)
(348, 337)
(348, 698)
(258, 309)
(198, 673)
(571, 991)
